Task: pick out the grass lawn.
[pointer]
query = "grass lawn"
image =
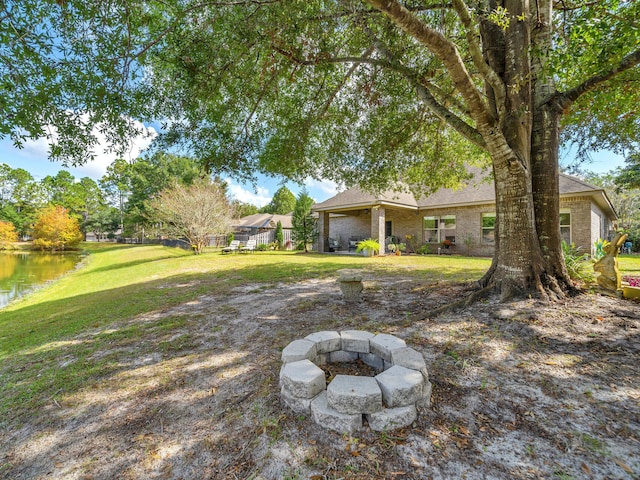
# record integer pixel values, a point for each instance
(120, 282)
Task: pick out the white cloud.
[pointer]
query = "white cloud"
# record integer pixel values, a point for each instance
(259, 198)
(38, 150)
(326, 187)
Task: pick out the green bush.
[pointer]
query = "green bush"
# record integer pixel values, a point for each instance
(262, 247)
(576, 262)
(424, 249)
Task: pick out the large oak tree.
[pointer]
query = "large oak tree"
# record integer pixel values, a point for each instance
(372, 92)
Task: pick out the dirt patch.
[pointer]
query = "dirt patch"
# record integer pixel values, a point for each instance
(524, 390)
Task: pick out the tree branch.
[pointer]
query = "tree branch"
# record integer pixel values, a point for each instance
(446, 51)
(473, 36)
(566, 99)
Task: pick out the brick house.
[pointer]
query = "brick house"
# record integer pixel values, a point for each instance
(465, 217)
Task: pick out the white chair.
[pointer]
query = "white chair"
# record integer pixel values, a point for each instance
(233, 247)
(249, 247)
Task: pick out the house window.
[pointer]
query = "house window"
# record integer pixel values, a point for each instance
(439, 229)
(565, 225)
(489, 228)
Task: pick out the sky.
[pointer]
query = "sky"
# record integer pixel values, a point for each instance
(33, 158)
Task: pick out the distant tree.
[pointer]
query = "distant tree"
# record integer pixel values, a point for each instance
(629, 175)
(103, 221)
(279, 235)
(8, 234)
(55, 229)
(195, 212)
(241, 209)
(303, 223)
(283, 202)
(20, 196)
(117, 186)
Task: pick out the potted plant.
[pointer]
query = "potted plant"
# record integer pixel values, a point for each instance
(631, 287)
(369, 247)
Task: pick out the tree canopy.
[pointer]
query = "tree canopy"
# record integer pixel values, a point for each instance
(282, 202)
(196, 211)
(371, 92)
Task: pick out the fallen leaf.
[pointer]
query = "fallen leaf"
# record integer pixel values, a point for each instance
(585, 468)
(623, 466)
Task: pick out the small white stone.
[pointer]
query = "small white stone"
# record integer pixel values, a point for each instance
(382, 345)
(326, 342)
(299, 350)
(356, 340)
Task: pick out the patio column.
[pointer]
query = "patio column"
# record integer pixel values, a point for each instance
(323, 232)
(377, 226)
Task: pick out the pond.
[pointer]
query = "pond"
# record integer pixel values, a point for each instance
(22, 272)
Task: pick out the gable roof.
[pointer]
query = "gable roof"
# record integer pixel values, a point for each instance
(477, 191)
(263, 220)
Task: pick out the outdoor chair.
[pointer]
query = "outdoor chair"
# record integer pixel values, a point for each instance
(233, 247)
(249, 247)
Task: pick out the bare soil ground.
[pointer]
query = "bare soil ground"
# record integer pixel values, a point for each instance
(524, 390)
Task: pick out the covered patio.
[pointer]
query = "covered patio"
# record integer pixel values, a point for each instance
(356, 215)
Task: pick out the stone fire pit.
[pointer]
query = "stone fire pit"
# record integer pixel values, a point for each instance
(387, 401)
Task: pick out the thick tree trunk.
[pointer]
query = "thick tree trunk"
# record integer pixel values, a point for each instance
(546, 194)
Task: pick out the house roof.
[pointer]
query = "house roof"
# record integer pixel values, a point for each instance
(477, 191)
(356, 198)
(263, 220)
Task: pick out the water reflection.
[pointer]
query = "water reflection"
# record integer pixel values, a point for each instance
(21, 272)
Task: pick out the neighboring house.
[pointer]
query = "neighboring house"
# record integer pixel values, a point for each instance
(465, 217)
(262, 227)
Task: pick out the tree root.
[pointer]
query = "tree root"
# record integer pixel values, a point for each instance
(463, 302)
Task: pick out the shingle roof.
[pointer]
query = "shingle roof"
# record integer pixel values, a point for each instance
(356, 197)
(263, 220)
(478, 190)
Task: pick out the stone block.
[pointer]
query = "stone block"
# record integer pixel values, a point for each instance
(400, 386)
(374, 361)
(342, 357)
(425, 400)
(352, 394)
(299, 350)
(330, 418)
(326, 341)
(302, 379)
(356, 340)
(298, 405)
(382, 345)
(391, 418)
(409, 358)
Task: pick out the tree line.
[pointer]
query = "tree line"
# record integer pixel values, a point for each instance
(156, 195)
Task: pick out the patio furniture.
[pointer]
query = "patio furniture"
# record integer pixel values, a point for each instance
(233, 247)
(353, 243)
(249, 247)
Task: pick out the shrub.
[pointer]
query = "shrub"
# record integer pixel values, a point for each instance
(262, 247)
(55, 229)
(424, 249)
(576, 263)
